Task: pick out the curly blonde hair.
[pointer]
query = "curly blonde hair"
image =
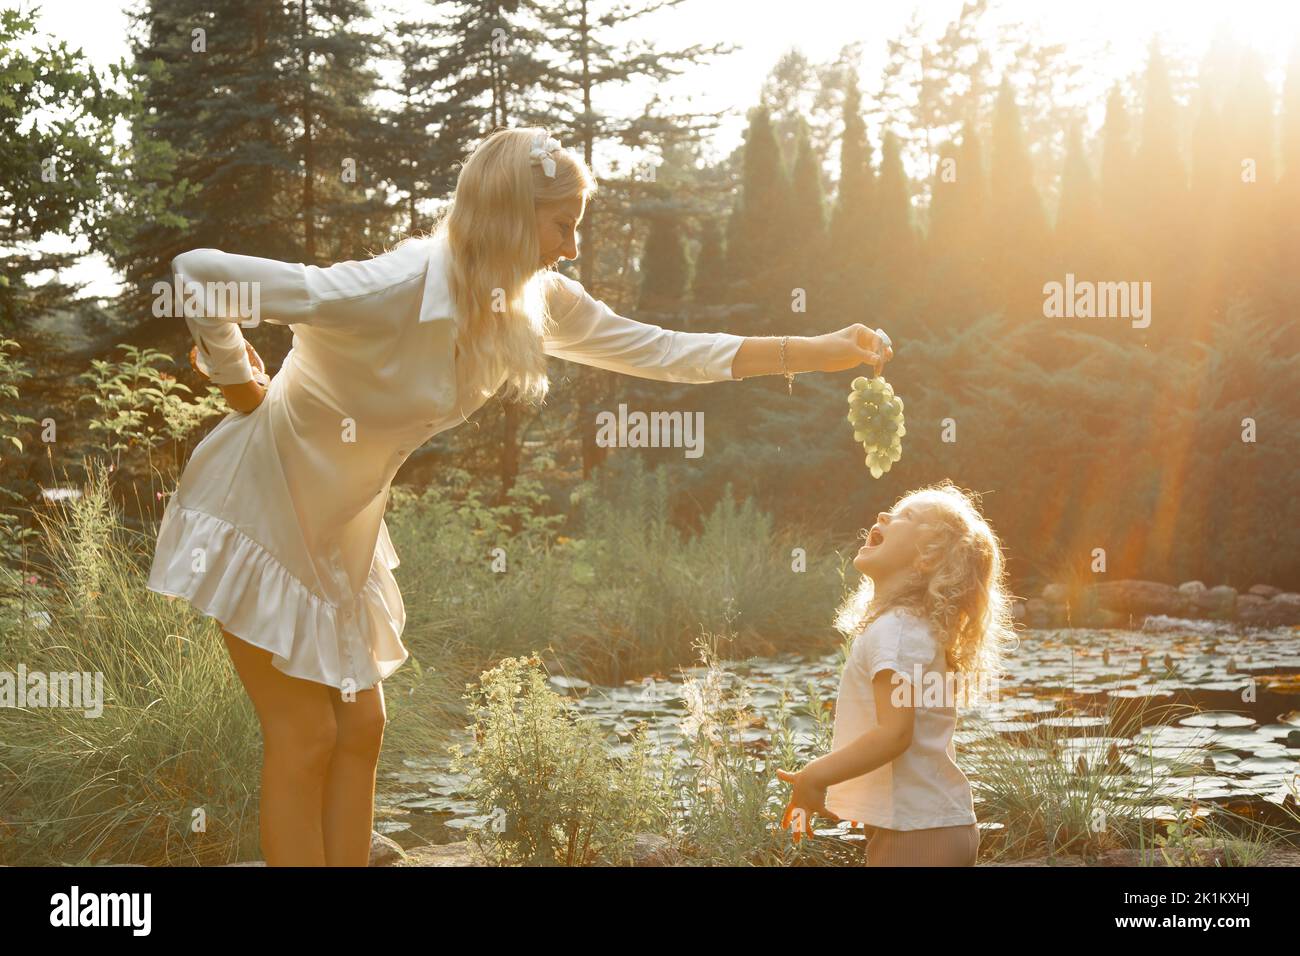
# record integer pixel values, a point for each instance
(963, 594)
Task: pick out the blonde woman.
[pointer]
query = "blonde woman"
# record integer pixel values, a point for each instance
(276, 529)
(929, 622)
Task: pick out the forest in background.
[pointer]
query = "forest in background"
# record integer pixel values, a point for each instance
(934, 200)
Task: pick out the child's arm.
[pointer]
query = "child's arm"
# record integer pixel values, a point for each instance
(878, 746)
(890, 737)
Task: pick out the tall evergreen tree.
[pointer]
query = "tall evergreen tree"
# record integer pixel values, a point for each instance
(1117, 187)
(1018, 227)
(761, 229)
(708, 281)
(853, 214)
(429, 128)
(956, 243)
(266, 107)
(805, 259)
(734, 249)
(895, 252)
(1252, 150)
(1076, 219)
(664, 266)
(1161, 184)
(1213, 180)
(219, 101)
(339, 143)
(897, 230)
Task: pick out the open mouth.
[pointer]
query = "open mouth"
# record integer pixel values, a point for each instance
(876, 537)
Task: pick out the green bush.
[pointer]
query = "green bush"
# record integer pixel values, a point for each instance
(545, 779)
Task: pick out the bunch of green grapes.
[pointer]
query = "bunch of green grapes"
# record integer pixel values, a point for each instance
(877, 417)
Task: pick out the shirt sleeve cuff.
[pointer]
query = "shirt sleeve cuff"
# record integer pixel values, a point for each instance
(223, 355)
(722, 356)
(237, 372)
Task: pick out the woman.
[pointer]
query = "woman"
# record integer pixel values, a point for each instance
(276, 528)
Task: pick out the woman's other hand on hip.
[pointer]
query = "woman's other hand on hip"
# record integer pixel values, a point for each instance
(245, 396)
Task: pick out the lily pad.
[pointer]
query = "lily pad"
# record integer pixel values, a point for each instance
(1221, 719)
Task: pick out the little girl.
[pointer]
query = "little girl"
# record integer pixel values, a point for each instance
(931, 615)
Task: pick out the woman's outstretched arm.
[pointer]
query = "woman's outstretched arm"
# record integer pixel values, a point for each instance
(587, 331)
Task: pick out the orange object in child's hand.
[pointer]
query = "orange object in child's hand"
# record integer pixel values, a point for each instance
(806, 802)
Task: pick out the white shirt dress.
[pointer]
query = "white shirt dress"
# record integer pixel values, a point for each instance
(276, 528)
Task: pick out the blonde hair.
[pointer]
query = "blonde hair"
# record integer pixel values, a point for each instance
(491, 226)
(963, 595)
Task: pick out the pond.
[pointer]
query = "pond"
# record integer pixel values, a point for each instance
(1180, 710)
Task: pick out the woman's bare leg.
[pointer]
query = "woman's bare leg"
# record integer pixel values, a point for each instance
(298, 737)
(350, 782)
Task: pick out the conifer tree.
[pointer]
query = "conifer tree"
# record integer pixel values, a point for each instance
(956, 243)
(1076, 220)
(895, 251)
(762, 218)
(62, 171)
(709, 275)
(853, 214)
(1160, 179)
(1251, 146)
(1117, 187)
(1212, 182)
(1017, 225)
(804, 254)
(664, 266)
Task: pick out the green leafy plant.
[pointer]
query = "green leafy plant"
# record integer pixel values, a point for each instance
(545, 779)
(13, 534)
(140, 406)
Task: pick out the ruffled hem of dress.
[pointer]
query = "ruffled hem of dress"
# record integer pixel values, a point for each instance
(257, 599)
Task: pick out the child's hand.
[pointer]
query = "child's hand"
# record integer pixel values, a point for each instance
(807, 800)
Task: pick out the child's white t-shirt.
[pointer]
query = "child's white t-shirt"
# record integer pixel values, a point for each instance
(923, 786)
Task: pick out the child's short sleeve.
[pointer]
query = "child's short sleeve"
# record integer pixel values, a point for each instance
(897, 641)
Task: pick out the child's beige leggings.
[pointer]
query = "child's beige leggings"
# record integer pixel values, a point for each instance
(940, 846)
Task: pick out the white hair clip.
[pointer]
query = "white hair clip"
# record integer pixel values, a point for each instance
(541, 153)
